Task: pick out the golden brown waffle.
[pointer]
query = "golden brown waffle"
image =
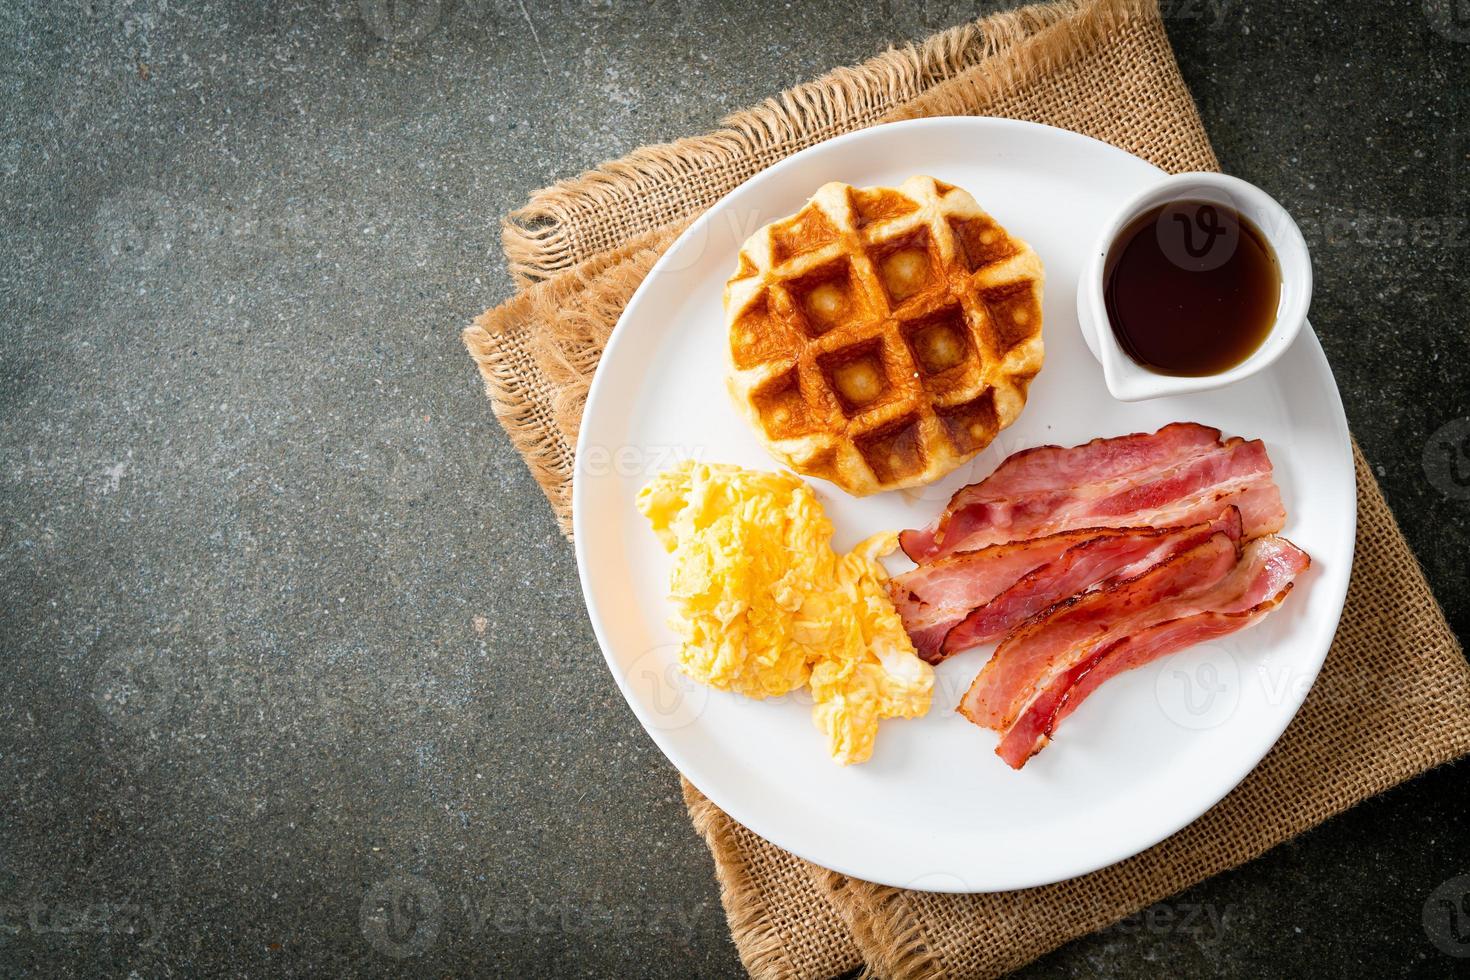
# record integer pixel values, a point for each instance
(882, 336)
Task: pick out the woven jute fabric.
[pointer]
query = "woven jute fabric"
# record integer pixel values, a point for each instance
(1393, 698)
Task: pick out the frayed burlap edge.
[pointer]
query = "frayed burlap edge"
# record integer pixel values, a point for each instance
(531, 352)
(782, 921)
(545, 236)
(537, 385)
(752, 927)
(1030, 56)
(882, 922)
(1391, 617)
(890, 938)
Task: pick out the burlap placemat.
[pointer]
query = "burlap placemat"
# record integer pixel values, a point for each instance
(1393, 698)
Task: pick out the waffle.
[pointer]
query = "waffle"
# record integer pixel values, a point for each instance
(882, 336)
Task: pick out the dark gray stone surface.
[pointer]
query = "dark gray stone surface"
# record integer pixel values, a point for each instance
(288, 631)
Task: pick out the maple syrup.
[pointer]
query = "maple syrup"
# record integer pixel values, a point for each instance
(1191, 288)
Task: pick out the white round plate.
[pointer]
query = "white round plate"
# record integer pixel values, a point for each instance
(935, 808)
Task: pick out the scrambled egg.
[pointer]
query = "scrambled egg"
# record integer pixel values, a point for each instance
(764, 606)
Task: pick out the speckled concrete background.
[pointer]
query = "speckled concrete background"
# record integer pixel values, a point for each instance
(288, 633)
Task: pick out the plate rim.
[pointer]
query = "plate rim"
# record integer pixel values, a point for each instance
(1342, 447)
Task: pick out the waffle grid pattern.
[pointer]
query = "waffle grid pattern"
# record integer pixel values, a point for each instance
(882, 336)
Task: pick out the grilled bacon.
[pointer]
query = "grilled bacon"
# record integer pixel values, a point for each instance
(1047, 679)
(1181, 474)
(976, 597)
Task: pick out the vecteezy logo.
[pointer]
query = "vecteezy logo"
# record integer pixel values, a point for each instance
(1207, 220)
(634, 460)
(1447, 916)
(1447, 459)
(135, 686)
(671, 698)
(1449, 18)
(405, 450)
(400, 916)
(1200, 688)
(401, 21)
(1194, 235)
(137, 230)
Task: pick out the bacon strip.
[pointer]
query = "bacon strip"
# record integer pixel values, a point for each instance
(1258, 583)
(932, 598)
(1120, 555)
(1179, 475)
(1035, 727)
(1059, 468)
(974, 597)
(1055, 641)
